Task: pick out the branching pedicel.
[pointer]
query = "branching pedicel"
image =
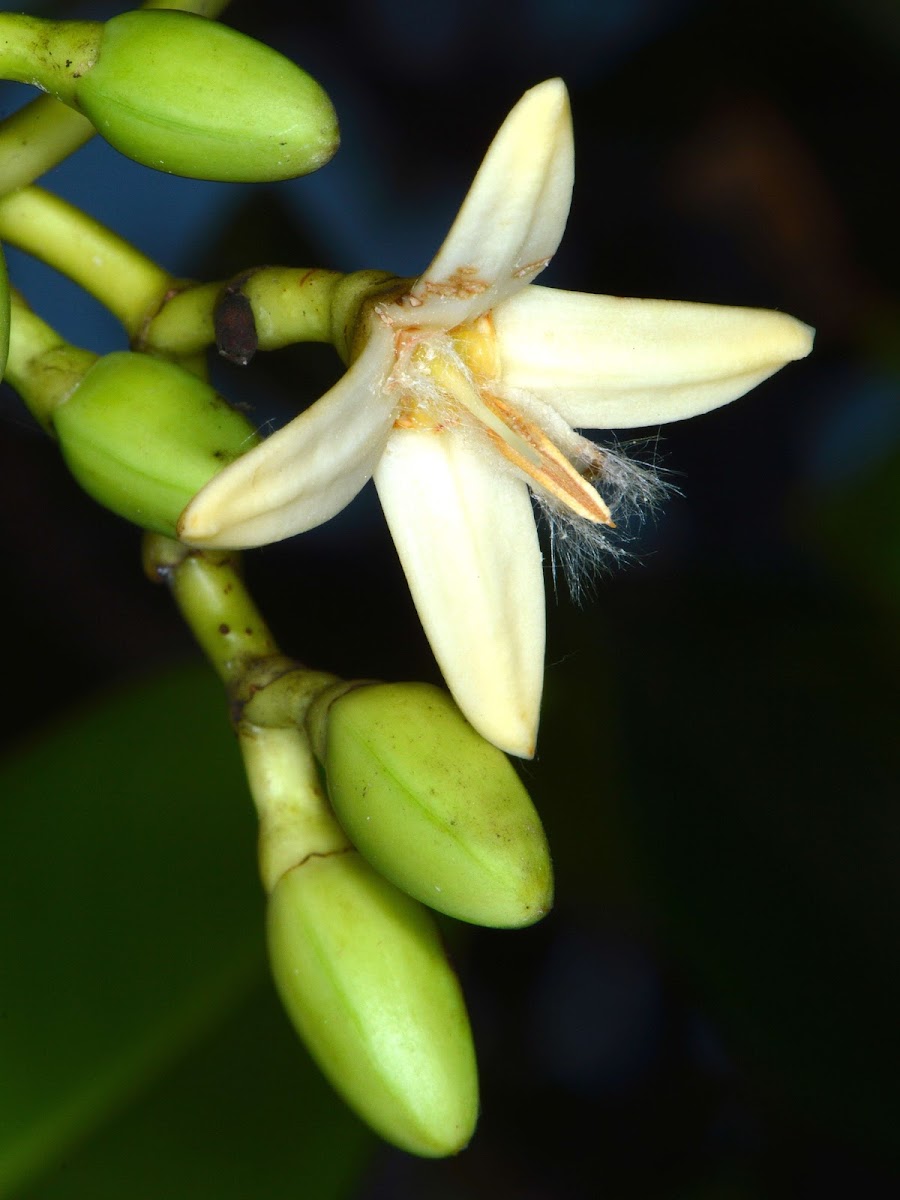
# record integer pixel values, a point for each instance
(463, 394)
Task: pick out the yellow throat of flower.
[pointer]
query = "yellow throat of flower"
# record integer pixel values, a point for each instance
(442, 376)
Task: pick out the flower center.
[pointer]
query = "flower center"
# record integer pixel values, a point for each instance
(442, 376)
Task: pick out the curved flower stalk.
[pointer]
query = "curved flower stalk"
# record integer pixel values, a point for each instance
(464, 391)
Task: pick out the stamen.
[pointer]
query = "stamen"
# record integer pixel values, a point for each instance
(459, 368)
(451, 376)
(553, 471)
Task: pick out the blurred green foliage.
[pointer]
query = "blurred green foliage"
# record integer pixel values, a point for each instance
(132, 931)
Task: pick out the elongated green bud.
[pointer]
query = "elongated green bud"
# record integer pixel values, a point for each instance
(432, 805)
(4, 314)
(190, 96)
(142, 435)
(364, 978)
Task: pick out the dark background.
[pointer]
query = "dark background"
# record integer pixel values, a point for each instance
(711, 1009)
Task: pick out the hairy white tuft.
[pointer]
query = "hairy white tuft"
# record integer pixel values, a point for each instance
(581, 551)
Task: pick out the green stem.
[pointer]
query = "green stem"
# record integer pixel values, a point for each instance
(270, 695)
(295, 820)
(42, 367)
(209, 590)
(288, 304)
(128, 283)
(36, 138)
(45, 131)
(50, 55)
(208, 586)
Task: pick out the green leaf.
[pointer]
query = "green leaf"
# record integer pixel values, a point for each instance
(245, 1114)
(132, 908)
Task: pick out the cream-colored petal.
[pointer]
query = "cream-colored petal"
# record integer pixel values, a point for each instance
(306, 472)
(467, 541)
(605, 362)
(513, 217)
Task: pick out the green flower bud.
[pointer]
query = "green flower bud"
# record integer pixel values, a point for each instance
(433, 806)
(143, 435)
(364, 978)
(4, 314)
(185, 94)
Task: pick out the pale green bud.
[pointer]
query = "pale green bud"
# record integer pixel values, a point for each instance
(4, 314)
(143, 435)
(363, 975)
(188, 95)
(432, 805)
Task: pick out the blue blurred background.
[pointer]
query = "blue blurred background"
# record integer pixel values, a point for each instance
(711, 1010)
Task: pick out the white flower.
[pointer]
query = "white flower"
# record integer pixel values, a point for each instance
(466, 393)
